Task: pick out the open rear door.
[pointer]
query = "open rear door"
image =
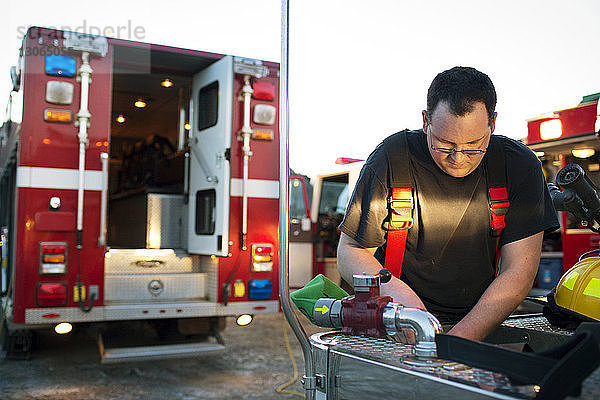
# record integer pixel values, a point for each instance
(211, 112)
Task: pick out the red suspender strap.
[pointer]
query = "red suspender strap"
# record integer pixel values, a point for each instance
(401, 219)
(498, 208)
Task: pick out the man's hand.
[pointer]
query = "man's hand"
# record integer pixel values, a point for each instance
(352, 259)
(518, 267)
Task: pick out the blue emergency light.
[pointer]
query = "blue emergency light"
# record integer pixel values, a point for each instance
(259, 289)
(58, 65)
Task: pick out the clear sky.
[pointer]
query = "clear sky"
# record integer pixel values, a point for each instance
(359, 70)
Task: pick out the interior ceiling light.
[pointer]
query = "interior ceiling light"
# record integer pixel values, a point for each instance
(140, 103)
(166, 83)
(583, 153)
(120, 118)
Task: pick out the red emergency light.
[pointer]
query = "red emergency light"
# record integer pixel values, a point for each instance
(347, 160)
(263, 90)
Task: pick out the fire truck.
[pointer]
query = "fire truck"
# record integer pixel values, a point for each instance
(139, 183)
(563, 137)
(314, 232)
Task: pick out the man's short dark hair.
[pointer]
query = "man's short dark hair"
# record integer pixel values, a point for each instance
(460, 88)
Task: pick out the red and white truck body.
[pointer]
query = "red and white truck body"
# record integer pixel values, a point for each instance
(565, 137)
(138, 182)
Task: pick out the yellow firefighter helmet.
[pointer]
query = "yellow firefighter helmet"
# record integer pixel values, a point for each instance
(578, 291)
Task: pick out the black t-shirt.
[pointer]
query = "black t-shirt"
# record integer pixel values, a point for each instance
(450, 254)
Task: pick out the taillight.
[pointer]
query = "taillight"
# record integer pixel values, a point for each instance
(51, 294)
(262, 257)
(53, 258)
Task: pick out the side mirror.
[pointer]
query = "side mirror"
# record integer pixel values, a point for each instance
(15, 77)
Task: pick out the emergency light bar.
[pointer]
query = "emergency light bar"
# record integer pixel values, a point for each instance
(346, 160)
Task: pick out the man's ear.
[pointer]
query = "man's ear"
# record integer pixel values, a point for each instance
(493, 125)
(425, 120)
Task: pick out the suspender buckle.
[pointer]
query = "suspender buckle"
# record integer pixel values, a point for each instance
(499, 205)
(401, 204)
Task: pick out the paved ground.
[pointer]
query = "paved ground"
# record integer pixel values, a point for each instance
(254, 363)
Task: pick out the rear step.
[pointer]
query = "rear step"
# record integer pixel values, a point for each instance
(155, 352)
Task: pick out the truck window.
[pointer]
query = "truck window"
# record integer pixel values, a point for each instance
(330, 196)
(205, 212)
(297, 203)
(208, 106)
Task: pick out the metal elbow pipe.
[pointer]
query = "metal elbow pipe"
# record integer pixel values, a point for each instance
(425, 326)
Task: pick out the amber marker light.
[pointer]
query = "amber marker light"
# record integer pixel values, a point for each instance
(140, 103)
(53, 115)
(187, 127)
(262, 134)
(166, 83)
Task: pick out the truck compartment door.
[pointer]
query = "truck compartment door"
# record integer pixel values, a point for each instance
(211, 113)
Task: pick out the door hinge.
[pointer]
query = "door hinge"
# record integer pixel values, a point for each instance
(228, 154)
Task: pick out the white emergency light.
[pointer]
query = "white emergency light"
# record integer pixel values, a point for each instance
(551, 129)
(58, 92)
(264, 114)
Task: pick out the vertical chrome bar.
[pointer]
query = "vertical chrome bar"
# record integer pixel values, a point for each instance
(103, 199)
(83, 117)
(246, 133)
(284, 294)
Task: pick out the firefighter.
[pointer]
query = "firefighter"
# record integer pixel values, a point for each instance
(438, 207)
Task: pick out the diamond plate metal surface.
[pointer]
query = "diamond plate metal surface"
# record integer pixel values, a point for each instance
(154, 287)
(537, 323)
(144, 261)
(400, 355)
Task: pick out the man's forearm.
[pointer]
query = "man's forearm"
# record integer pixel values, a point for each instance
(355, 259)
(499, 300)
(518, 267)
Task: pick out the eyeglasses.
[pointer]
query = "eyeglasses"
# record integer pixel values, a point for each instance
(467, 152)
(451, 150)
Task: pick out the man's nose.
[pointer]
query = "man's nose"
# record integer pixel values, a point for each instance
(457, 156)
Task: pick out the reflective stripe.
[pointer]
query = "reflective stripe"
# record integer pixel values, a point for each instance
(569, 282)
(260, 188)
(57, 178)
(62, 178)
(593, 288)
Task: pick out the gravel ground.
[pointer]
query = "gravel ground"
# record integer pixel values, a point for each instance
(253, 364)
